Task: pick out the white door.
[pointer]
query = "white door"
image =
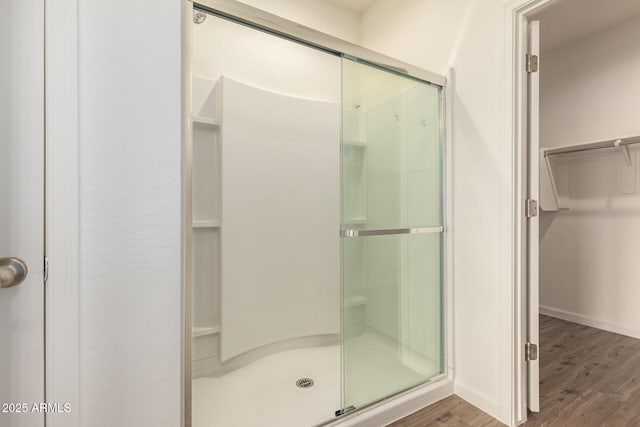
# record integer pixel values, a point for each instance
(21, 211)
(533, 328)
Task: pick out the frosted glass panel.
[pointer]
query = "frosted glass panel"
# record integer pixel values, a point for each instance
(391, 150)
(391, 283)
(392, 337)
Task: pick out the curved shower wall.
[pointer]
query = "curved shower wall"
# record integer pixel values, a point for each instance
(265, 196)
(280, 210)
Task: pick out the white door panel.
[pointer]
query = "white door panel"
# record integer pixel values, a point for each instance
(533, 329)
(22, 209)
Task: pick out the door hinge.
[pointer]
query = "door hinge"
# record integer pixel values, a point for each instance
(531, 208)
(45, 269)
(532, 63)
(530, 352)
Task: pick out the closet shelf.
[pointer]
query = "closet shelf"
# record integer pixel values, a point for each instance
(554, 193)
(205, 121)
(213, 223)
(201, 331)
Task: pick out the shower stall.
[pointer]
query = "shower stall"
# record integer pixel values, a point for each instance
(315, 233)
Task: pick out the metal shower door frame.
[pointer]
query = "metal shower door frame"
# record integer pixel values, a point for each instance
(260, 20)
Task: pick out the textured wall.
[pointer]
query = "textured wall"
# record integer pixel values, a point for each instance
(130, 221)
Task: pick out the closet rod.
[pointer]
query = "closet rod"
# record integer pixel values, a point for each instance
(612, 143)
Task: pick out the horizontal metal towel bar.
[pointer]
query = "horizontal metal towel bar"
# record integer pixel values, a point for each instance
(417, 230)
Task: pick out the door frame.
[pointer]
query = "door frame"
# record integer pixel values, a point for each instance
(22, 302)
(62, 210)
(516, 19)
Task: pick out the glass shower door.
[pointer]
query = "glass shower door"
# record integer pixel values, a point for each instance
(391, 233)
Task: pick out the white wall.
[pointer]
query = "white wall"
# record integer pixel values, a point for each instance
(482, 194)
(588, 262)
(466, 35)
(589, 88)
(320, 15)
(420, 32)
(285, 67)
(130, 212)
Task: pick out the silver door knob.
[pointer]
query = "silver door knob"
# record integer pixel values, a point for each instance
(13, 271)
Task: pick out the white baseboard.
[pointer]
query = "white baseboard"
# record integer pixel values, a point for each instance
(590, 321)
(396, 408)
(477, 399)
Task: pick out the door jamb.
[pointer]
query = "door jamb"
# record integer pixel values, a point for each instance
(62, 211)
(516, 13)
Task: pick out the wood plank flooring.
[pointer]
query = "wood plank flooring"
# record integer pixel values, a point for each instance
(451, 411)
(588, 378)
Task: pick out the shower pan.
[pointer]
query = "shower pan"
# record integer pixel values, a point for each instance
(314, 226)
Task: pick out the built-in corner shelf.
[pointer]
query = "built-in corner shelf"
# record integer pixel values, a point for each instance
(201, 331)
(205, 121)
(213, 223)
(355, 143)
(356, 301)
(355, 221)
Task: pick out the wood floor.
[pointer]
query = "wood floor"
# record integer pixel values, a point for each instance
(588, 377)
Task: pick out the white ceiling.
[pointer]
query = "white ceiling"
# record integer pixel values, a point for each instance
(569, 20)
(358, 6)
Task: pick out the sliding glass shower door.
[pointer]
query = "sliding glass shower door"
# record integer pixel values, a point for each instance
(391, 233)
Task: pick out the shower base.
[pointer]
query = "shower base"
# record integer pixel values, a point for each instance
(264, 393)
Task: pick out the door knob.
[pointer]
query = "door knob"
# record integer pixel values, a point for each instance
(13, 271)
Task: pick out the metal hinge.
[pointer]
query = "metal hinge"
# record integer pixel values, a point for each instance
(531, 208)
(46, 269)
(530, 352)
(532, 63)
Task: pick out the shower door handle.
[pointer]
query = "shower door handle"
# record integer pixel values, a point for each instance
(13, 271)
(391, 232)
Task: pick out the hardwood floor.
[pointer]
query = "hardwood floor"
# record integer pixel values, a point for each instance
(588, 378)
(451, 411)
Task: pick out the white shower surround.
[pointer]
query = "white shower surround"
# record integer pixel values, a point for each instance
(264, 114)
(280, 260)
(289, 82)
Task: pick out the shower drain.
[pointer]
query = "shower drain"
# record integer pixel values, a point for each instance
(304, 383)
